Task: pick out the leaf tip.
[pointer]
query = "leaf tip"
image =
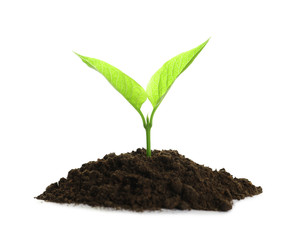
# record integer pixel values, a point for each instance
(76, 54)
(204, 44)
(206, 41)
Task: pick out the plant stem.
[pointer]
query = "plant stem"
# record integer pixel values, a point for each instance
(148, 128)
(143, 119)
(147, 125)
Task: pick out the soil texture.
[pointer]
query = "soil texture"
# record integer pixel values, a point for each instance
(132, 181)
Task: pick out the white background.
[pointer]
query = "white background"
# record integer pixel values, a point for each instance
(232, 108)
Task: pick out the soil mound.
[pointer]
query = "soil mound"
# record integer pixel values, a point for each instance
(165, 180)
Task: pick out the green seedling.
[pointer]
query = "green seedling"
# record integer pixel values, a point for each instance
(157, 87)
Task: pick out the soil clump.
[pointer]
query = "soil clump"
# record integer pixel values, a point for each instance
(166, 180)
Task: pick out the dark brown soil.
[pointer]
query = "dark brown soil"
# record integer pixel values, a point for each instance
(133, 181)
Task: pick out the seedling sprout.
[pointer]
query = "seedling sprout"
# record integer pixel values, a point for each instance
(157, 87)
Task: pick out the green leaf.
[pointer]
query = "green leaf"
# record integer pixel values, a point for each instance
(125, 85)
(163, 79)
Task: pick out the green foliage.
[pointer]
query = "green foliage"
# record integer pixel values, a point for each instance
(125, 85)
(157, 87)
(163, 79)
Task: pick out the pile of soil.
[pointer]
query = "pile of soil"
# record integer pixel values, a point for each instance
(165, 180)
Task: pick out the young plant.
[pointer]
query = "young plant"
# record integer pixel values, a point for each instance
(157, 87)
